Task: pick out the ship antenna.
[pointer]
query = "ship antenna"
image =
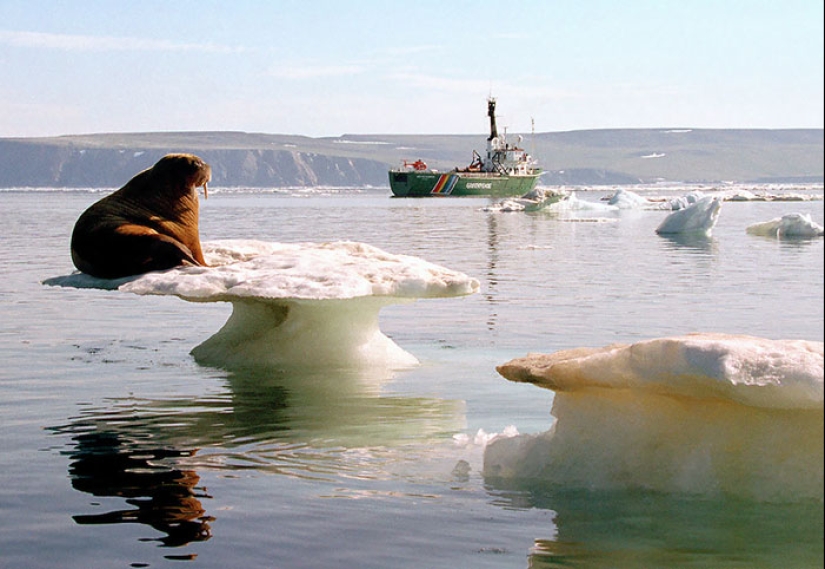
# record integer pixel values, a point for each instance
(491, 112)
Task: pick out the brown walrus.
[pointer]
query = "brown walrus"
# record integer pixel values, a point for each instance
(150, 224)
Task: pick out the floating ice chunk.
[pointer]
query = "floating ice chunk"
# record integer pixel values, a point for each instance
(790, 225)
(741, 195)
(626, 199)
(504, 206)
(685, 201)
(702, 413)
(534, 200)
(699, 218)
(305, 304)
(482, 437)
(780, 374)
(573, 203)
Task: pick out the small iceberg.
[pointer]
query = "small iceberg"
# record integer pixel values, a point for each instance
(626, 199)
(685, 201)
(700, 413)
(574, 204)
(534, 200)
(790, 225)
(697, 218)
(299, 304)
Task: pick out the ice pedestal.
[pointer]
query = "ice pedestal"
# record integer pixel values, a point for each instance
(307, 333)
(297, 304)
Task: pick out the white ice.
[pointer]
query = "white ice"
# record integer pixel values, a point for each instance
(701, 413)
(573, 203)
(697, 218)
(305, 304)
(684, 201)
(534, 200)
(790, 225)
(626, 199)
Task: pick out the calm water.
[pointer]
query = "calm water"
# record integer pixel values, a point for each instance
(118, 450)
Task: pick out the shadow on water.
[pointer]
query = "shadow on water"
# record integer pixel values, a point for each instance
(640, 529)
(149, 452)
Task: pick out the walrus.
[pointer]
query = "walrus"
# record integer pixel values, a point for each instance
(150, 224)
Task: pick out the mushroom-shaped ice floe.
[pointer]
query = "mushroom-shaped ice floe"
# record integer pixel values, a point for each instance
(700, 413)
(305, 304)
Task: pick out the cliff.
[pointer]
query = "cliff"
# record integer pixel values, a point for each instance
(238, 159)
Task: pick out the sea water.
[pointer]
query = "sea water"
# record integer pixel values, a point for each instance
(118, 449)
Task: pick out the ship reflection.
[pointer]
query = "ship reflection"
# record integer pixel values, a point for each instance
(162, 496)
(492, 266)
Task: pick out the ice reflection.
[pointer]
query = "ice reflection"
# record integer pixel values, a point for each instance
(638, 529)
(690, 241)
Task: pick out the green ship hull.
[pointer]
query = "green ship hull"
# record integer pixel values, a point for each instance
(414, 183)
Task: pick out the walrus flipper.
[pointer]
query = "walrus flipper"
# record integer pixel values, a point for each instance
(167, 253)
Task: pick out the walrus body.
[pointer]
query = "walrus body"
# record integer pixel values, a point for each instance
(150, 224)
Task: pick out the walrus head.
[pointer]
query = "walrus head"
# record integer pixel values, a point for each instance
(187, 169)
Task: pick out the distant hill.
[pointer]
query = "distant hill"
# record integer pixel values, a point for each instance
(616, 156)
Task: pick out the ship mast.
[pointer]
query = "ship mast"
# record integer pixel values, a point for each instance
(491, 112)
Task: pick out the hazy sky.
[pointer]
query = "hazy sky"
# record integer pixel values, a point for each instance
(326, 68)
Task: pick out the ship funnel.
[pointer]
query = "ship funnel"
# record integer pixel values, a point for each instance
(491, 112)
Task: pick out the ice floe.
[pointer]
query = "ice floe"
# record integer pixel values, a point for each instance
(304, 304)
(627, 199)
(697, 218)
(789, 225)
(534, 200)
(701, 413)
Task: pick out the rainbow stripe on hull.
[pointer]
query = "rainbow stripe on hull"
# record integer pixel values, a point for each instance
(445, 184)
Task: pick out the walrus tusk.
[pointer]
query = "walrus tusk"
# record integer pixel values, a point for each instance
(205, 193)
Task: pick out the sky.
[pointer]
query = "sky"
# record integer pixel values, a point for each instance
(325, 68)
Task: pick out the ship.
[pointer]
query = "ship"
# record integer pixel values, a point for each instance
(506, 170)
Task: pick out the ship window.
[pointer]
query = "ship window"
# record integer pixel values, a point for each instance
(400, 178)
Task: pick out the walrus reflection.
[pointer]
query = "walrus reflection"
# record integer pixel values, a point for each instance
(150, 224)
(164, 497)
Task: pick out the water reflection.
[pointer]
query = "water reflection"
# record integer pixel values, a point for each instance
(163, 496)
(311, 425)
(690, 241)
(794, 243)
(491, 274)
(638, 529)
